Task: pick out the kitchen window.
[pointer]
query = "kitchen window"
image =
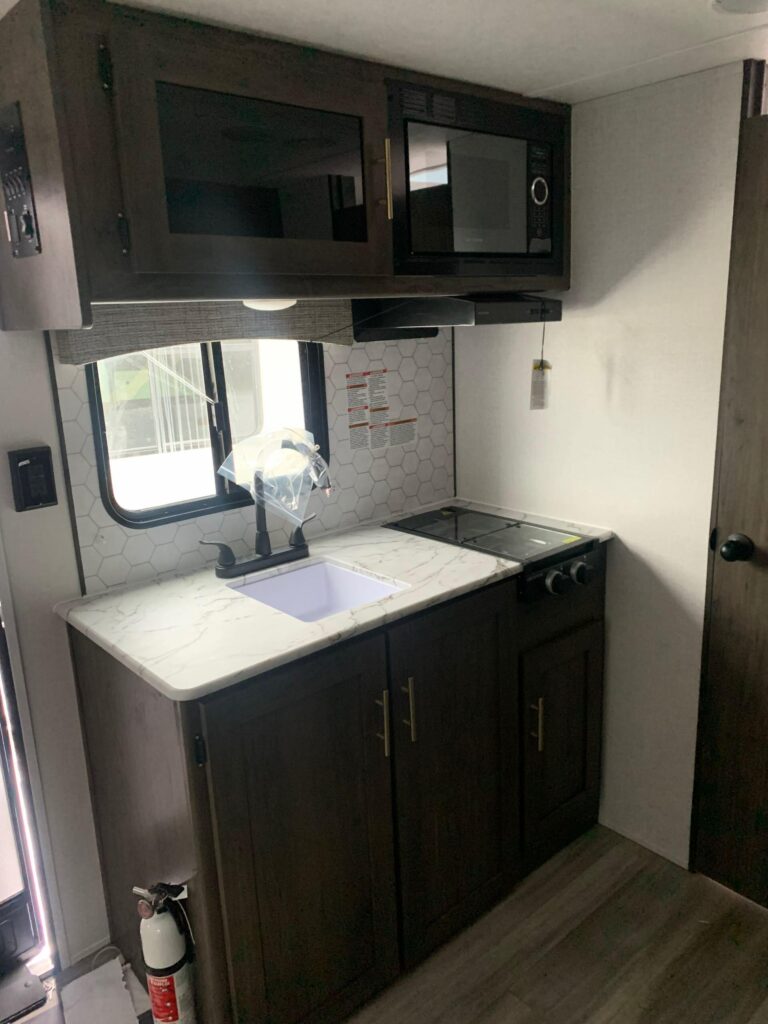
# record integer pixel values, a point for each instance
(165, 419)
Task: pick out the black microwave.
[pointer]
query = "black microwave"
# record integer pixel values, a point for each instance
(479, 187)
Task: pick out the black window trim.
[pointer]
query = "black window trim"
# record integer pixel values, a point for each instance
(312, 367)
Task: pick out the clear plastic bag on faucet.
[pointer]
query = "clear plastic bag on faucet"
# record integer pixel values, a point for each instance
(279, 468)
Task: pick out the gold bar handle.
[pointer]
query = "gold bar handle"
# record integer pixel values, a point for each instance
(411, 720)
(538, 707)
(384, 705)
(389, 201)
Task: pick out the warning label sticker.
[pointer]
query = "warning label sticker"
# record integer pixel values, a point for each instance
(368, 413)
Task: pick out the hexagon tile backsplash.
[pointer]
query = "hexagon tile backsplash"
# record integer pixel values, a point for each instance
(366, 485)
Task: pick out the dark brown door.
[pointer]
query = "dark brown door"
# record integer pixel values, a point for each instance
(303, 820)
(731, 816)
(562, 697)
(454, 725)
(235, 162)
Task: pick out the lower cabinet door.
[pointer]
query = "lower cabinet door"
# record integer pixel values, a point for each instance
(456, 765)
(300, 787)
(562, 699)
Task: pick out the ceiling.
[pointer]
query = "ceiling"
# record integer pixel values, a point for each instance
(572, 50)
(567, 49)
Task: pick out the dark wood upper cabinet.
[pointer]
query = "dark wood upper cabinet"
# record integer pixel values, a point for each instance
(454, 723)
(235, 166)
(561, 715)
(300, 790)
(172, 160)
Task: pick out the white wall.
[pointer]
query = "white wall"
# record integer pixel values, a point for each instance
(629, 439)
(39, 569)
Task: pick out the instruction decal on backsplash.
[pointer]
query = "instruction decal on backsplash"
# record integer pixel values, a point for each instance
(368, 413)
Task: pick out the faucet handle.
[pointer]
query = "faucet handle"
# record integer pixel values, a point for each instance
(297, 538)
(226, 557)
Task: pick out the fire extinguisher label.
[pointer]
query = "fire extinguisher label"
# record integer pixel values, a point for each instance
(162, 997)
(172, 998)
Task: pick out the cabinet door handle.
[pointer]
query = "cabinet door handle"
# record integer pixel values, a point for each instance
(410, 721)
(538, 707)
(388, 202)
(384, 705)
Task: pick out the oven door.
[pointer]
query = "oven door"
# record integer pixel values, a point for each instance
(479, 187)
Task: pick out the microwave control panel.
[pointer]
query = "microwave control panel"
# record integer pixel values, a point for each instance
(539, 198)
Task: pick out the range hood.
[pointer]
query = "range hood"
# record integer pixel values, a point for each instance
(395, 319)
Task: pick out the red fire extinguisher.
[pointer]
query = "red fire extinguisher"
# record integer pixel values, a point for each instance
(167, 946)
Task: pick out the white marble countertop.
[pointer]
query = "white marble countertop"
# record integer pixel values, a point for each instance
(190, 635)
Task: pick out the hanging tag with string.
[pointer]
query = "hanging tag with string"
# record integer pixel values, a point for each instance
(540, 376)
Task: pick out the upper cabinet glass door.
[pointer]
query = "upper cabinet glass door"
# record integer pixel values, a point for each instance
(239, 166)
(233, 166)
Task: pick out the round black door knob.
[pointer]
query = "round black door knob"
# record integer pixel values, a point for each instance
(737, 548)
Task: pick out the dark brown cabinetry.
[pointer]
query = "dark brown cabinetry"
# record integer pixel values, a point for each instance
(455, 751)
(265, 166)
(340, 817)
(174, 161)
(300, 792)
(562, 698)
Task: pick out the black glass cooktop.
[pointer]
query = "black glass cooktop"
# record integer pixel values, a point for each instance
(511, 538)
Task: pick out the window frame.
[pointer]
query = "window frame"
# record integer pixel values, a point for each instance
(228, 496)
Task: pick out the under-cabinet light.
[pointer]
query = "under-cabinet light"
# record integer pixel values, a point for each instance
(269, 305)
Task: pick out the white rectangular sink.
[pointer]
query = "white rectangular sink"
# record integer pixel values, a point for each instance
(315, 591)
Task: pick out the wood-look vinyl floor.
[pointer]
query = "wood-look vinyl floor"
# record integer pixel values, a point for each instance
(605, 933)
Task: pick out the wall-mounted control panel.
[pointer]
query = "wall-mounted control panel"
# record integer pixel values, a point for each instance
(32, 478)
(21, 228)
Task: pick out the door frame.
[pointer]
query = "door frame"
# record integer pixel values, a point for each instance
(37, 862)
(13, 782)
(754, 103)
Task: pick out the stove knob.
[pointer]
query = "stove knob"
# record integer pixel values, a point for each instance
(557, 582)
(581, 572)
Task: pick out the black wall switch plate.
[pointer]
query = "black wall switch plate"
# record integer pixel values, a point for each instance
(32, 478)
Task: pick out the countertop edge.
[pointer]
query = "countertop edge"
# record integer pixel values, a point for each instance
(65, 610)
(293, 654)
(372, 618)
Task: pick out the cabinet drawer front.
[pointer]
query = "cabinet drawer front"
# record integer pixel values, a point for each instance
(302, 807)
(234, 164)
(561, 713)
